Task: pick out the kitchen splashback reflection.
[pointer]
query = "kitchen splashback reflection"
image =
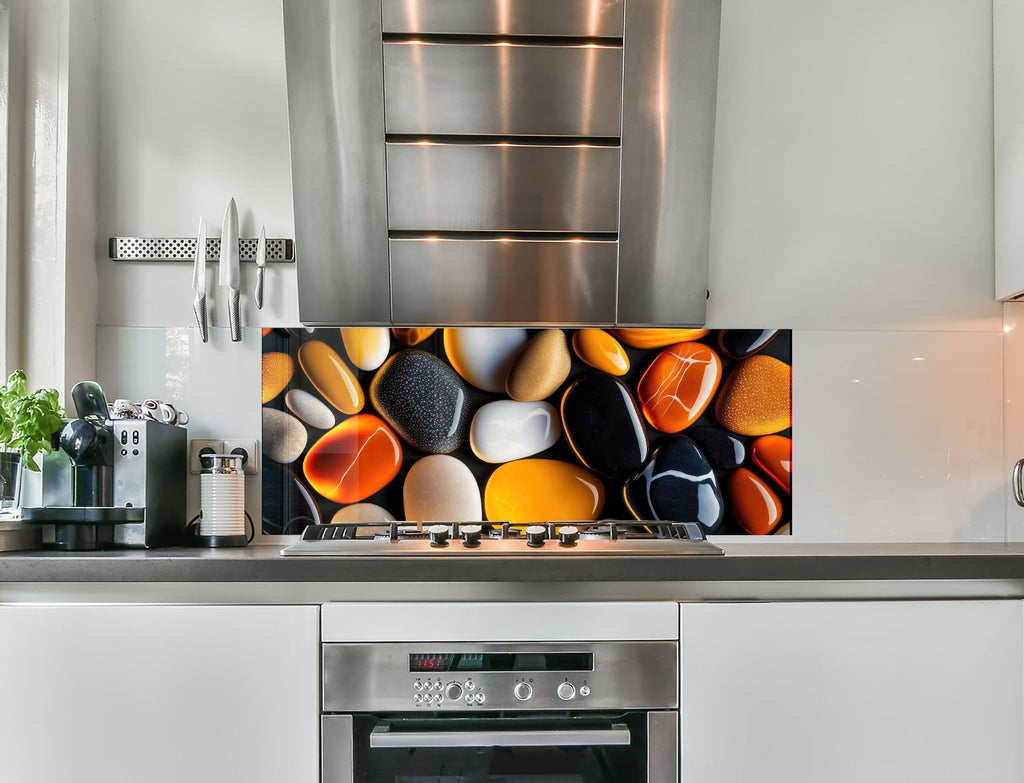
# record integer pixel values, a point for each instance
(527, 425)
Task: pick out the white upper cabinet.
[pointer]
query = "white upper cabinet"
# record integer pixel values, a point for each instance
(1008, 111)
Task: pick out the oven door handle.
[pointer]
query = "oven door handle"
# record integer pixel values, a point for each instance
(383, 737)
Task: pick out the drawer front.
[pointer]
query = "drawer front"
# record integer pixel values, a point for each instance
(502, 187)
(596, 18)
(503, 281)
(502, 89)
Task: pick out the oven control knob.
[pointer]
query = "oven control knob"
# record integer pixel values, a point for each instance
(471, 535)
(566, 691)
(568, 535)
(584, 690)
(536, 535)
(522, 691)
(438, 535)
(453, 691)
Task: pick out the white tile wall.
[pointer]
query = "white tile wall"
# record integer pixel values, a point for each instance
(216, 383)
(897, 436)
(1013, 395)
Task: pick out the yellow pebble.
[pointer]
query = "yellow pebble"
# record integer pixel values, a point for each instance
(601, 351)
(278, 369)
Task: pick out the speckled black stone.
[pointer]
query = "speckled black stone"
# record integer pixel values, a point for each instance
(723, 449)
(288, 505)
(677, 484)
(740, 343)
(603, 425)
(423, 399)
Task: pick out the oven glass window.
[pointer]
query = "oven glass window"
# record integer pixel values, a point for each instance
(481, 758)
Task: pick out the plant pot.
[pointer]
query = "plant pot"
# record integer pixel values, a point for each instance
(11, 470)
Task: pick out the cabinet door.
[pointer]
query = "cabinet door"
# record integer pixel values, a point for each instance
(852, 692)
(1008, 119)
(162, 694)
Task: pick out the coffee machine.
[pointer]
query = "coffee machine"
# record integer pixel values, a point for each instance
(117, 482)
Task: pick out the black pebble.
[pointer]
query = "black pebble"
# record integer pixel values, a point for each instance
(677, 485)
(603, 425)
(423, 399)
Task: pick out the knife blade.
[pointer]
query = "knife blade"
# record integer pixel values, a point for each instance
(199, 281)
(229, 274)
(261, 262)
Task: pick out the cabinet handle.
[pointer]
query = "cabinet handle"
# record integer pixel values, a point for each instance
(1018, 487)
(382, 737)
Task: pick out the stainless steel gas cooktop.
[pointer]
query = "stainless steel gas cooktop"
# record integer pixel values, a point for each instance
(549, 539)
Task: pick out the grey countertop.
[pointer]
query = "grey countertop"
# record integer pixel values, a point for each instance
(743, 562)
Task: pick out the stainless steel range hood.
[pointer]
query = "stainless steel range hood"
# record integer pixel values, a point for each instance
(502, 161)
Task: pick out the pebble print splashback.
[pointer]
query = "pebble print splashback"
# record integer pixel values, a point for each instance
(534, 425)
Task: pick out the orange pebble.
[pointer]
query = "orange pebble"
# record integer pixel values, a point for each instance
(774, 455)
(353, 460)
(755, 397)
(657, 338)
(754, 506)
(678, 386)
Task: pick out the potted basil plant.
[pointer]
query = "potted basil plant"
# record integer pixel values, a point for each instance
(28, 423)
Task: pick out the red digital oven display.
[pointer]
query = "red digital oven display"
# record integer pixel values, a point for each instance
(430, 662)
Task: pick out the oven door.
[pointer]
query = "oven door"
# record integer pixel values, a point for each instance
(639, 747)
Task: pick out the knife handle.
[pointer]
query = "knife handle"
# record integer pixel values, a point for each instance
(199, 306)
(234, 318)
(258, 293)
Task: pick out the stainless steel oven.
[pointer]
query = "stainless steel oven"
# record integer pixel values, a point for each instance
(516, 712)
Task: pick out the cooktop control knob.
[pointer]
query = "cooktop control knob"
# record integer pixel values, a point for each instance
(536, 535)
(568, 535)
(453, 691)
(566, 691)
(438, 535)
(522, 691)
(471, 535)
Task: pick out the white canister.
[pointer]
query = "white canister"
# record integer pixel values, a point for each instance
(222, 499)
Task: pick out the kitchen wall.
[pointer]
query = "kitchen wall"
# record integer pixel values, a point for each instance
(852, 203)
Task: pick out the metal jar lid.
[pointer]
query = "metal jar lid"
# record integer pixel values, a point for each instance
(220, 463)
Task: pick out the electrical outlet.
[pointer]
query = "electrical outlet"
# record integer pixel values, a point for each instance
(249, 448)
(197, 446)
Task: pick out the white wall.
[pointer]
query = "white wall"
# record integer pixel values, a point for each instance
(852, 203)
(194, 112)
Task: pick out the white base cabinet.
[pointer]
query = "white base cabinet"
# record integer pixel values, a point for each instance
(161, 694)
(886, 692)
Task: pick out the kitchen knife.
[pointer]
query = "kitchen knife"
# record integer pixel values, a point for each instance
(199, 281)
(261, 261)
(229, 275)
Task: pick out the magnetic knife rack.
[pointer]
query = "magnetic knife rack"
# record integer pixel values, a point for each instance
(279, 251)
